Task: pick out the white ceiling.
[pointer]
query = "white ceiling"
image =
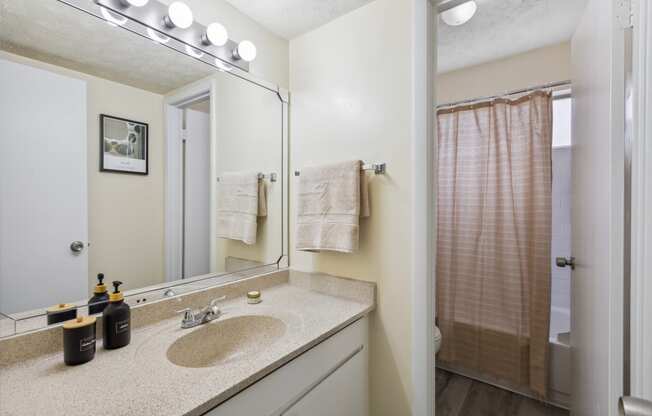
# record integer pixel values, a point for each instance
(503, 28)
(50, 31)
(291, 18)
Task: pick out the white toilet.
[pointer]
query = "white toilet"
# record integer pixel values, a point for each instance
(437, 339)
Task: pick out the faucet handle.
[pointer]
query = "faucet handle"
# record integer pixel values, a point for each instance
(215, 301)
(213, 307)
(188, 315)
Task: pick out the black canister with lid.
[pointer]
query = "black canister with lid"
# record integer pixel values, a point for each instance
(100, 298)
(116, 320)
(79, 340)
(60, 313)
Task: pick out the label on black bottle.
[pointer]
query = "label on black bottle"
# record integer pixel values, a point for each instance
(87, 343)
(122, 326)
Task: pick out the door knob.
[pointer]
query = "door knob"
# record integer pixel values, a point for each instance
(77, 247)
(563, 262)
(633, 406)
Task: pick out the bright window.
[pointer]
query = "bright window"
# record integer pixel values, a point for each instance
(561, 122)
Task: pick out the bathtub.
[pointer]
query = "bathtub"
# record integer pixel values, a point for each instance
(559, 365)
(560, 356)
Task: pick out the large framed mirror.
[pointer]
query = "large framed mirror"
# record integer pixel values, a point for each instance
(126, 157)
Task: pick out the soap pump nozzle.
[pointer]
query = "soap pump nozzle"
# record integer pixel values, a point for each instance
(100, 287)
(116, 295)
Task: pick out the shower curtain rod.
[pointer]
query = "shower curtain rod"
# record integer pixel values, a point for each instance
(557, 84)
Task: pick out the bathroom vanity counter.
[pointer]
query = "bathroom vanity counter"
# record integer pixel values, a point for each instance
(141, 379)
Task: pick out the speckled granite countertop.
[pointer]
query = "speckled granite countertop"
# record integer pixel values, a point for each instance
(140, 380)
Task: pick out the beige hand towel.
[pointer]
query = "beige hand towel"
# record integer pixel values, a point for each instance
(262, 198)
(331, 200)
(238, 205)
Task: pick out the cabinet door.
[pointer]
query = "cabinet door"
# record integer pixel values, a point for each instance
(343, 393)
(344, 357)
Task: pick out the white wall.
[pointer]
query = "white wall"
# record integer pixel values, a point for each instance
(351, 86)
(536, 67)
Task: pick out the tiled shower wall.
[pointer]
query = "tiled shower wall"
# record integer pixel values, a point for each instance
(561, 225)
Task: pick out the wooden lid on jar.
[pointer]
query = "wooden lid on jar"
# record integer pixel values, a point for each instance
(61, 307)
(79, 322)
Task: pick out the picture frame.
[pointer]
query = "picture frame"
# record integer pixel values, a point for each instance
(124, 145)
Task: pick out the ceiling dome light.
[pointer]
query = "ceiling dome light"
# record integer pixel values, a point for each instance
(112, 19)
(135, 3)
(179, 15)
(215, 34)
(461, 14)
(245, 50)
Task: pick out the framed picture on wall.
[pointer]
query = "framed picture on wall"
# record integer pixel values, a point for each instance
(123, 145)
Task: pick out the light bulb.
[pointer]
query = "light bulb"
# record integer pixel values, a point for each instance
(112, 18)
(135, 3)
(215, 34)
(179, 15)
(245, 50)
(459, 15)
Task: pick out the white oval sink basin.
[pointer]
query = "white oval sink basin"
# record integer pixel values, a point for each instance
(225, 340)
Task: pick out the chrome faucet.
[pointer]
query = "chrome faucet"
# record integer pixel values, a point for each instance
(209, 313)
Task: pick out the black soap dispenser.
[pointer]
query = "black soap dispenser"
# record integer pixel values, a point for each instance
(100, 298)
(116, 320)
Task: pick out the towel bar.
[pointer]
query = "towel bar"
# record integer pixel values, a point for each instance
(378, 168)
(272, 177)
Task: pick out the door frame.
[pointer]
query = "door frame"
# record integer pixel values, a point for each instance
(423, 207)
(202, 89)
(641, 206)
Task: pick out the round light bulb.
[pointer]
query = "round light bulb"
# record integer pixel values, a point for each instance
(179, 15)
(461, 14)
(135, 3)
(245, 50)
(216, 34)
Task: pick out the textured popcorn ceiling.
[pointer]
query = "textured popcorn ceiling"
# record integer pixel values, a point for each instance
(50, 31)
(291, 18)
(503, 28)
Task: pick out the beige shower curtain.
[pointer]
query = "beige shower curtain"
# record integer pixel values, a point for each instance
(494, 233)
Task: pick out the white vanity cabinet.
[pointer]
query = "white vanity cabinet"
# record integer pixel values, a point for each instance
(332, 378)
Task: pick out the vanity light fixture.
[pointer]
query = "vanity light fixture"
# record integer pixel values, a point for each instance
(215, 34)
(179, 15)
(246, 50)
(112, 19)
(135, 3)
(157, 37)
(172, 22)
(461, 14)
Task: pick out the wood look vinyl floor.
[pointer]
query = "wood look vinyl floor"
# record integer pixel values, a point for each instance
(461, 396)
